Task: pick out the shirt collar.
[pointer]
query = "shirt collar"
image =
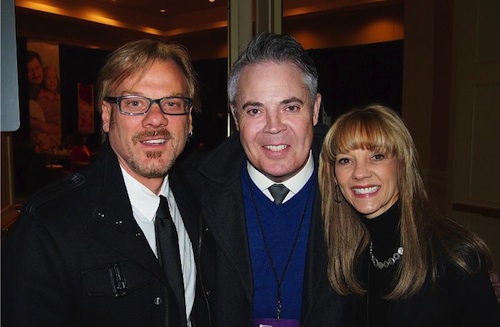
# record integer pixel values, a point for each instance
(143, 199)
(294, 184)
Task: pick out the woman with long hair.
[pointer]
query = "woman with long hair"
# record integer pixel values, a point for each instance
(404, 264)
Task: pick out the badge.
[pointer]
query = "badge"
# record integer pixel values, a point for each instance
(273, 322)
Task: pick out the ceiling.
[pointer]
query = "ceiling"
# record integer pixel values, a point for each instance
(109, 23)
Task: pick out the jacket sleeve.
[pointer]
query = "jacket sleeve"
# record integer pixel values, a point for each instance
(35, 288)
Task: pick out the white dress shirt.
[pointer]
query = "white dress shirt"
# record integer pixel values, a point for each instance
(144, 205)
(294, 184)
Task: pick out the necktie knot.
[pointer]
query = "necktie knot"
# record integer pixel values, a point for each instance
(163, 211)
(279, 192)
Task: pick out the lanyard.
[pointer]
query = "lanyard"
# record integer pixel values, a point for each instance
(279, 280)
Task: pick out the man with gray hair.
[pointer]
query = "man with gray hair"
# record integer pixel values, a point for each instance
(263, 256)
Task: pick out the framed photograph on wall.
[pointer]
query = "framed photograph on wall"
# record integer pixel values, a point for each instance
(85, 108)
(42, 66)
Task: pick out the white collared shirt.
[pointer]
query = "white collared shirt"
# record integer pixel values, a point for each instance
(294, 184)
(144, 205)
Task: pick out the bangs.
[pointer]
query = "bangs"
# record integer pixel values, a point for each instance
(364, 132)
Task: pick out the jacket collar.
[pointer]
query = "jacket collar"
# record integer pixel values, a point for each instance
(223, 165)
(223, 206)
(113, 223)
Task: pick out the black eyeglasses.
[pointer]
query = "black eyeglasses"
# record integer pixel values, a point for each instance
(135, 105)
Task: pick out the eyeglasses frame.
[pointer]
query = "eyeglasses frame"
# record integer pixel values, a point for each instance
(117, 100)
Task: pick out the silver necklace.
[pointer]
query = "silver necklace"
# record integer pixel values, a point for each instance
(389, 262)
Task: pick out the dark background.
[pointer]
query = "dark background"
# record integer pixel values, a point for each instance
(349, 77)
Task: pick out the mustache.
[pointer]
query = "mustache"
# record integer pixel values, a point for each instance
(160, 132)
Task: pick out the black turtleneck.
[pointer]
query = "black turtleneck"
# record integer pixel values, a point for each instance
(384, 233)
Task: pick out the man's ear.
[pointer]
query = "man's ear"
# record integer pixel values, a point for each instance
(316, 109)
(235, 117)
(105, 115)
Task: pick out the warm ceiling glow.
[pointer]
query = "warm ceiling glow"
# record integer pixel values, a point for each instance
(100, 17)
(150, 30)
(44, 7)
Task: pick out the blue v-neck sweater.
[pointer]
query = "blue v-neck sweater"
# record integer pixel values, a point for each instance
(280, 225)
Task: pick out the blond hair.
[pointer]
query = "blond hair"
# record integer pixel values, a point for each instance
(425, 235)
(137, 57)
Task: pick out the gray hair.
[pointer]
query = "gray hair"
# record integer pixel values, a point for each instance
(276, 48)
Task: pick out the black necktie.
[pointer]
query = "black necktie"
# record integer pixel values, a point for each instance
(279, 192)
(167, 246)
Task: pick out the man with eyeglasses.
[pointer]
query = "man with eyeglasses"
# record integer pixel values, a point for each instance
(93, 249)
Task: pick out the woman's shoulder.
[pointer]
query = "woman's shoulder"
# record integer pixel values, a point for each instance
(456, 247)
(469, 291)
(461, 262)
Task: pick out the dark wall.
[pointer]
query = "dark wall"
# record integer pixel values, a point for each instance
(210, 125)
(23, 89)
(78, 65)
(359, 75)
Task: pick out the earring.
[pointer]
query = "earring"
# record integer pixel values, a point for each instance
(190, 134)
(337, 194)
